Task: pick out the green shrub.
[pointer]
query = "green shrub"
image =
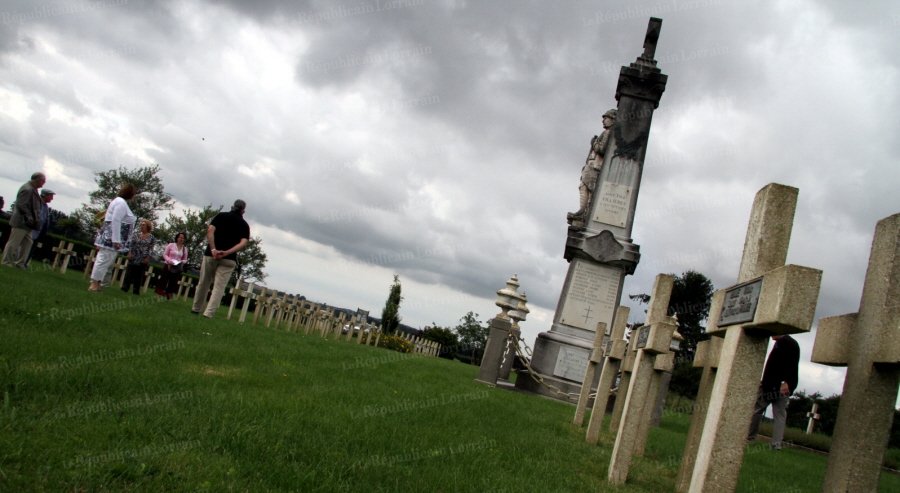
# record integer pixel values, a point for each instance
(395, 343)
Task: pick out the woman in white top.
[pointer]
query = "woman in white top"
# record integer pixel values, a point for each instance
(114, 235)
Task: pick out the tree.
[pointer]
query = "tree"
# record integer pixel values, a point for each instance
(390, 317)
(691, 296)
(443, 336)
(147, 204)
(472, 337)
(250, 261)
(194, 224)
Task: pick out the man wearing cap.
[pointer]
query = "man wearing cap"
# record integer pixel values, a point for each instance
(26, 217)
(226, 235)
(46, 198)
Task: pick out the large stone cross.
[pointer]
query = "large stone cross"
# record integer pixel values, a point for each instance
(653, 338)
(707, 357)
(771, 298)
(868, 344)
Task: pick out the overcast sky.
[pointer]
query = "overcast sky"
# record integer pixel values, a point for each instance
(443, 140)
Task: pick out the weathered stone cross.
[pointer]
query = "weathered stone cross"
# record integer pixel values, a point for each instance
(813, 416)
(707, 357)
(615, 353)
(771, 299)
(653, 338)
(868, 343)
(63, 255)
(590, 371)
(89, 262)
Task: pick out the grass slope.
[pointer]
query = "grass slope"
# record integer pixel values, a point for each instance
(113, 392)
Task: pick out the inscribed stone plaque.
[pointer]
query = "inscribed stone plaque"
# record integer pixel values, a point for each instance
(740, 303)
(571, 363)
(613, 200)
(642, 336)
(591, 297)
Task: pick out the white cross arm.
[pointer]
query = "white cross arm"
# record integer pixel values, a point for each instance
(707, 354)
(785, 303)
(833, 340)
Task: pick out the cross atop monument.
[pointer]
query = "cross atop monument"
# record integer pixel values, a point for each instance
(651, 38)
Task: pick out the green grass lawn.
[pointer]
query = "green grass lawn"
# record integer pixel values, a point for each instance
(112, 392)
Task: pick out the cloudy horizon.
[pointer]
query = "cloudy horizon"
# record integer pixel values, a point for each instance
(443, 140)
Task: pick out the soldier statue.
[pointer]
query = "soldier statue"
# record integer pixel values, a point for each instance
(590, 171)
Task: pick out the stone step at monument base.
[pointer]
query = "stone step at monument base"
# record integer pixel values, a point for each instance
(526, 383)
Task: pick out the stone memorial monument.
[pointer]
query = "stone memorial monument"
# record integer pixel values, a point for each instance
(770, 298)
(599, 247)
(868, 344)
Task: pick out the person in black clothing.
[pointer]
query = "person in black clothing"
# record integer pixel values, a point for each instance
(227, 234)
(779, 381)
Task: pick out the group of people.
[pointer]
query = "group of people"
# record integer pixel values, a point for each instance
(227, 234)
(29, 220)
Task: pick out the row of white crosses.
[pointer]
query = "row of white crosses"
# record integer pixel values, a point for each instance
(292, 313)
(643, 360)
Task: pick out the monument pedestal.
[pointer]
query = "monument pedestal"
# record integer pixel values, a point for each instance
(561, 360)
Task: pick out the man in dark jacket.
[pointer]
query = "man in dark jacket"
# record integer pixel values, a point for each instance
(26, 216)
(779, 381)
(226, 235)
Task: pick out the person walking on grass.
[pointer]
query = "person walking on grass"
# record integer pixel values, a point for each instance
(26, 217)
(227, 234)
(779, 381)
(114, 235)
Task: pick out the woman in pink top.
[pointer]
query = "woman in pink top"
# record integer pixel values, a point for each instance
(174, 258)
